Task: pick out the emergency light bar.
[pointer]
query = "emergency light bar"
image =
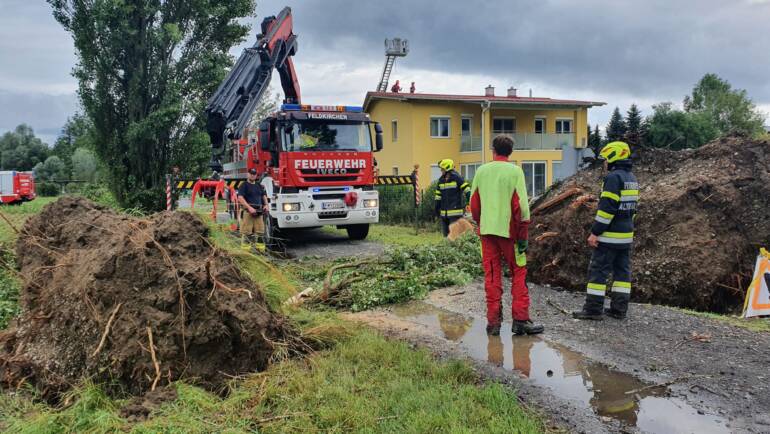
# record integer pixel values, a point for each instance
(321, 108)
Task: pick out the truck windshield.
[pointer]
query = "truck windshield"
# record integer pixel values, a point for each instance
(322, 135)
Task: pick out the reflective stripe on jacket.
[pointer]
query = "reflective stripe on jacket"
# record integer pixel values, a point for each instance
(449, 194)
(614, 220)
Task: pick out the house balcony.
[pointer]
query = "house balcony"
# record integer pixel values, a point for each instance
(470, 143)
(539, 141)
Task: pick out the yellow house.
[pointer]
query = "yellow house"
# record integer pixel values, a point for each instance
(550, 135)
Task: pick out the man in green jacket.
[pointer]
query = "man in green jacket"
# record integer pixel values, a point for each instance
(499, 204)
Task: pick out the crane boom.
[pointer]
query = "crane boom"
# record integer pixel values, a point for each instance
(229, 109)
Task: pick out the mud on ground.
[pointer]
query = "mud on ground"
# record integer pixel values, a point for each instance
(703, 215)
(131, 302)
(722, 375)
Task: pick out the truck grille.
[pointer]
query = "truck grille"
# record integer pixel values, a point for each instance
(332, 215)
(329, 196)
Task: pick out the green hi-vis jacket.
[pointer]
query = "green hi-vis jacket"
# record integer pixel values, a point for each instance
(499, 200)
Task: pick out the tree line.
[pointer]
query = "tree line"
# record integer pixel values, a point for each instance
(713, 109)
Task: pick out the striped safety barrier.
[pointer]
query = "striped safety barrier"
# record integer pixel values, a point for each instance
(393, 180)
(188, 185)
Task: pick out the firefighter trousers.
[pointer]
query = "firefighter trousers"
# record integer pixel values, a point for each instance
(494, 251)
(606, 260)
(445, 223)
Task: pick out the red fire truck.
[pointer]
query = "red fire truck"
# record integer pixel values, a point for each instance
(16, 187)
(316, 162)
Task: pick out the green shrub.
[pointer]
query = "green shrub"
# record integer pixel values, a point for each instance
(48, 189)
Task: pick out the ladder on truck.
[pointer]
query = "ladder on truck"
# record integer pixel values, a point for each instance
(395, 47)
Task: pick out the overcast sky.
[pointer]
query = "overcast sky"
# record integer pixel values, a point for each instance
(616, 51)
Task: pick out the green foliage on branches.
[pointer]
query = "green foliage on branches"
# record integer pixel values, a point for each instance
(675, 129)
(616, 128)
(729, 110)
(145, 69)
(21, 150)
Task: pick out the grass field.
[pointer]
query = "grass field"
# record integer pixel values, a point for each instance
(357, 382)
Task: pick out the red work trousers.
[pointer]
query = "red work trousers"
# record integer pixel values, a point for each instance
(493, 250)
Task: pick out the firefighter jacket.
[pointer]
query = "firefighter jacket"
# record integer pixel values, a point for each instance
(450, 194)
(499, 201)
(614, 221)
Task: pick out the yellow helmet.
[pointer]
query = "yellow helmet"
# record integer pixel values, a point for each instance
(446, 164)
(615, 151)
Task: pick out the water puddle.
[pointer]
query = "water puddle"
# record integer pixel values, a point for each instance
(609, 393)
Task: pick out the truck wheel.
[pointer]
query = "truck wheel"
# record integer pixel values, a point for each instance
(357, 232)
(273, 240)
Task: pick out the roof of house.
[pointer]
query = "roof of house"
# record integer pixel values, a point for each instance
(497, 100)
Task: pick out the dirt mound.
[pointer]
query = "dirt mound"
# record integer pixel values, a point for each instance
(131, 302)
(703, 214)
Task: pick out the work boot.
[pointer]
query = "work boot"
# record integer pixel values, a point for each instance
(592, 308)
(614, 313)
(587, 314)
(493, 329)
(526, 328)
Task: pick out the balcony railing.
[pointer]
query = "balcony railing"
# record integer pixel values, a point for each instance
(470, 143)
(522, 141)
(526, 141)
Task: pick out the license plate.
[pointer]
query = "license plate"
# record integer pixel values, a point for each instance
(332, 205)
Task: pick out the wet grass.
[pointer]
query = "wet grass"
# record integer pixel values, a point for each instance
(364, 384)
(358, 381)
(753, 324)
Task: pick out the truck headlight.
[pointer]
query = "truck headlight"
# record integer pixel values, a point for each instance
(288, 207)
(370, 203)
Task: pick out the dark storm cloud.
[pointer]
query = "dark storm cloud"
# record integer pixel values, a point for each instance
(651, 49)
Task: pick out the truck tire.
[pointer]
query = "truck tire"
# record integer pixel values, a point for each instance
(273, 235)
(357, 232)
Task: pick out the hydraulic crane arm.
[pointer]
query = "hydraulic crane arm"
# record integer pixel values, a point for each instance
(229, 110)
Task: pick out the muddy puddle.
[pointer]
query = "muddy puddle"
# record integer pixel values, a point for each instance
(609, 393)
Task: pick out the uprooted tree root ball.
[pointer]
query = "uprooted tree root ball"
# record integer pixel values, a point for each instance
(703, 215)
(134, 303)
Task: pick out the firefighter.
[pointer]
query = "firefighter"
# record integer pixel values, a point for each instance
(396, 88)
(450, 193)
(412, 88)
(612, 235)
(499, 204)
(252, 197)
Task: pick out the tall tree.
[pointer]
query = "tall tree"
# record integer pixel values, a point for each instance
(616, 128)
(84, 165)
(77, 132)
(595, 140)
(675, 129)
(145, 69)
(633, 125)
(730, 110)
(20, 149)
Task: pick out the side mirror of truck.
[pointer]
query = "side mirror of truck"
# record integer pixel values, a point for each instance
(264, 136)
(377, 137)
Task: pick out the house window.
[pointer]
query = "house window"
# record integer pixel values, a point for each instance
(468, 171)
(563, 126)
(534, 177)
(503, 125)
(539, 125)
(435, 172)
(394, 130)
(465, 126)
(439, 127)
(395, 170)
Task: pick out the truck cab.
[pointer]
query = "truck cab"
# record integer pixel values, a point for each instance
(317, 166)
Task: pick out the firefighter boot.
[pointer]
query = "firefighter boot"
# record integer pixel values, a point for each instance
(618, 305)
(245, 245)
(592, 309)
(526, 328)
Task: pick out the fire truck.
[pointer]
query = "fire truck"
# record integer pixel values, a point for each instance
(16, 187)
(315, 161)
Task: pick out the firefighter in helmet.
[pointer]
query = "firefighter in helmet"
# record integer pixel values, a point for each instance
(451, 194)
(612, 235)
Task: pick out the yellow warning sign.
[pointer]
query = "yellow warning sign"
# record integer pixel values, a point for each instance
(758, 296)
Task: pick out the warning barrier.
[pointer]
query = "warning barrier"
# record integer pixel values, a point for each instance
(758, 296)
(187, 184)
